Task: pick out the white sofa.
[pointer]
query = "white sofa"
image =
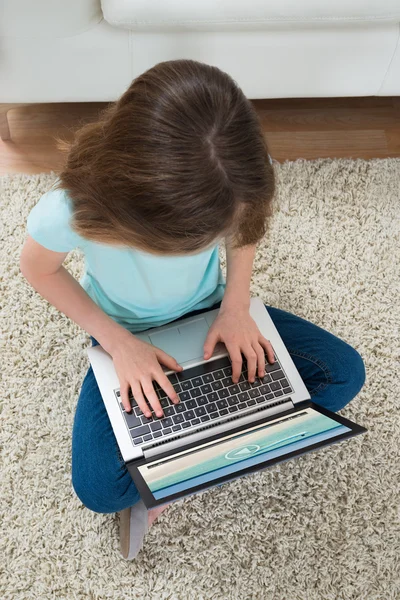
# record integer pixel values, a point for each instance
(87, 50)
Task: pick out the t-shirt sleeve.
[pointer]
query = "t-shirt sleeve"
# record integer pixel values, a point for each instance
(49, 222)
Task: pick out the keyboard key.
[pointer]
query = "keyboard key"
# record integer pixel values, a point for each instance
(233, 400)
(200, 411)
(206, 389)
(173, 378)
(284, 383)
(184, 396)
(266, 379)
(176, 428)
(138, 412)
(195, 421)
(224, 393)
(132, 420)
(279, 393)
(222, 403)
(254, 393)
(227, 381)
(178, 419)
(277, 375)
(168, 430)
(269, 368)
(218, 374)
(256, 383)
(195, 392)
(186, 385)
(242, 378)
(251, 402)
(189, 415)
(155, 426)
(157, 434)
(161, 393)
(185, 425)
(164, 402)
(242, 405)
(170, 410)
(217, 385)
(147, 437)
(142, 430)
(265, 389)
(208, 378)
(191, 404)
(167, 422)
(201, 401)
(146, 419)
(275, 385)
(245, 385)
(269, 396)
(213, 397)
(228, 371)
(177, 387)
(137, 440)
(205, 418)
(180, 408)
(211, 407)
(234, 389)
(224, 411)
(260, 399)
(243, 396)
(287, 390)
(233, 408)
(197, 381)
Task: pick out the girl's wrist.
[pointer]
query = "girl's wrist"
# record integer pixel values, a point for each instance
(113, 337)
(236, 304)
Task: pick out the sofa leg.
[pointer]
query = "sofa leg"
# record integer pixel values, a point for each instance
(4, 126)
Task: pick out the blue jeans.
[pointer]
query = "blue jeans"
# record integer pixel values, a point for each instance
(332, 370)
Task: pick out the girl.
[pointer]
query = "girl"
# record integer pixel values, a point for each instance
(177, 164)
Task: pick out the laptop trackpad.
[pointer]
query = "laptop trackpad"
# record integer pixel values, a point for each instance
(184, 342)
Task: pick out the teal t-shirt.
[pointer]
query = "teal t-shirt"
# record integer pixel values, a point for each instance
(136, 289)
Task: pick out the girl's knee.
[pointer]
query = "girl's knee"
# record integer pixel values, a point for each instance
(348, 379)
(102, 487)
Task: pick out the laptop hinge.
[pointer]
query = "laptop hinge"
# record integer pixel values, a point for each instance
(224, 426)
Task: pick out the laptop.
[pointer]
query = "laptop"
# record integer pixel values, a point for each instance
(219, 431)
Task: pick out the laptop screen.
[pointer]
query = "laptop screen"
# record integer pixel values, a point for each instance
(202, 465)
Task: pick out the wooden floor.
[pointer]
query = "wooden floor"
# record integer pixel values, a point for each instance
(295, 128)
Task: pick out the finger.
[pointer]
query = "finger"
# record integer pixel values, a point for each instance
(259, 350)
(167, 360)
(148, 389)
(139, 398)
(251, 358)
(236, 360)
(209, 344)
(124, 390)
(268, 348)
(166, 385)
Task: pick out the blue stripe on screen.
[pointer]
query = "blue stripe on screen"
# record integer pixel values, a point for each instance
(189, 483)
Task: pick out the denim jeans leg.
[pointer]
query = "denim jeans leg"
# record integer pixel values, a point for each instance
(332, 370)
(99, 474)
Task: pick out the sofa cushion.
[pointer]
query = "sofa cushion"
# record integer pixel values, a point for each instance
(208, 15)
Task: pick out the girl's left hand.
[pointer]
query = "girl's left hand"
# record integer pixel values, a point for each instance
(240, 334)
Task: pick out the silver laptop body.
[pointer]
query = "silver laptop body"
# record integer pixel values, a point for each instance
(184, 340)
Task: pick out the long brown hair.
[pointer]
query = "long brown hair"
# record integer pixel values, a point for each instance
(179, 161)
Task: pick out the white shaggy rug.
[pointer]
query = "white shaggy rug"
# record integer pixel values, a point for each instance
(320, 527)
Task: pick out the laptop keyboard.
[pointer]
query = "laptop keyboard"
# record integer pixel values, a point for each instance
(206, 392)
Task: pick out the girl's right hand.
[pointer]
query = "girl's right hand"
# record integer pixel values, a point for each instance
(137, 363)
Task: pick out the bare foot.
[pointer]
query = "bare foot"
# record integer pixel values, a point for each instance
(155, 512)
